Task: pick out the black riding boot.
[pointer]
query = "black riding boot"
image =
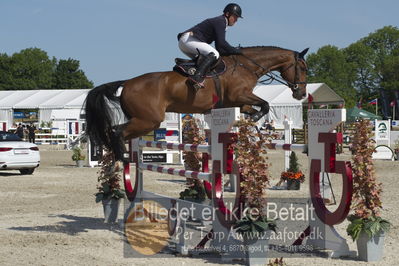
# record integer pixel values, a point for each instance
(198, 77)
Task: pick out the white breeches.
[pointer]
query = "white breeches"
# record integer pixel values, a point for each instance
(189, 46)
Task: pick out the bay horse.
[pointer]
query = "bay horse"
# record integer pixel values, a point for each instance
(145, 99)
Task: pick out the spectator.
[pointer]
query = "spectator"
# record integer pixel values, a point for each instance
(25, 132)
(20, 131)
(32, 133)
(269, 126)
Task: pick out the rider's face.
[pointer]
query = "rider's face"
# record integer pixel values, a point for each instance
(232, 19)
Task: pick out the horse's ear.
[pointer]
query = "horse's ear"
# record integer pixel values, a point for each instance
(302, 54)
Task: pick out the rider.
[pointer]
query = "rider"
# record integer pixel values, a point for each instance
(198, 39)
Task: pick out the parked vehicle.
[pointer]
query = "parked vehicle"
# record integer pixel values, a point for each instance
(16, 154)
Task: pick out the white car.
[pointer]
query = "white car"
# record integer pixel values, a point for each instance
(16, 154)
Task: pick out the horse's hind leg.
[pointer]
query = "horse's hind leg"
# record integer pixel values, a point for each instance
(118, 143)
(137, 127)
(133, 129)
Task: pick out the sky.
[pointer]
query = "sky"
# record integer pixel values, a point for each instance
(121, 39)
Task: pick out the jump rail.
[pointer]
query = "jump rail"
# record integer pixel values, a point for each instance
(287, 147)
(176, 172)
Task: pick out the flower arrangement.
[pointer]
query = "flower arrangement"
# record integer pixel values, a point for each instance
(78, 154)
(109, 178)
(250, 150)
(191, 134)
(293, 175)
(367, 191)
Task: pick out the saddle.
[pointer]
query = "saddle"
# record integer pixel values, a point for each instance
(187, 67)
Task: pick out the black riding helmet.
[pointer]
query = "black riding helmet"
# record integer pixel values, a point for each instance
(233, 9)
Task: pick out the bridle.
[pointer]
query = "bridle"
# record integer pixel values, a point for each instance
(271, 76)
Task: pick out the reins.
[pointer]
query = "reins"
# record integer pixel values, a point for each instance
(271, 76)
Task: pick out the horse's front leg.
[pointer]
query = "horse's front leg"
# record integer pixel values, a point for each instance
(246, 102)
(264, 110)
(248, 109)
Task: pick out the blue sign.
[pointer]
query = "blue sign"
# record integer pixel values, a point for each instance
(159, 134)
(19, 115)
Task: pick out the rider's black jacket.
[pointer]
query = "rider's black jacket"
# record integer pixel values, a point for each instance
(213, 29)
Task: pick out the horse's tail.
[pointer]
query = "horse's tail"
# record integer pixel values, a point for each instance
(99, 115)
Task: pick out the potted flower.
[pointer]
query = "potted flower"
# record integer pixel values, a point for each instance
(109, 189)
(195, 190)
(366, 227)
(78, 156)
(254, 226)
(293, 175)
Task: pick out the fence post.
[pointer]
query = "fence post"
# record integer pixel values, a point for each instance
(287, 140)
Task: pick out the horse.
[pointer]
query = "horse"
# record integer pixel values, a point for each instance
(145, 99)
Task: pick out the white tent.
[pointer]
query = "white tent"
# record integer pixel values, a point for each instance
(67, 103)
(283, 105)
(6, 113)
(78, 101)
(323, 94)
(7, 101)
(65, 114)
(47, 101)
(34, 100)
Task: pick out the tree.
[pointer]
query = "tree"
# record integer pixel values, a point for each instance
(362, 69)
(294, 165)
(5, 71)
(32, 69)
(67, 75)
(390, 72)
(329, 65)
(29, 69)
(375, 57)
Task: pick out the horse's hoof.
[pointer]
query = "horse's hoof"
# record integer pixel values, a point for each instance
(126, 158)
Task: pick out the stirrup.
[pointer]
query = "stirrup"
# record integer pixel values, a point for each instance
(197, 85)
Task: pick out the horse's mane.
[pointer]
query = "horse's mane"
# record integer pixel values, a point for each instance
(265, 47)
